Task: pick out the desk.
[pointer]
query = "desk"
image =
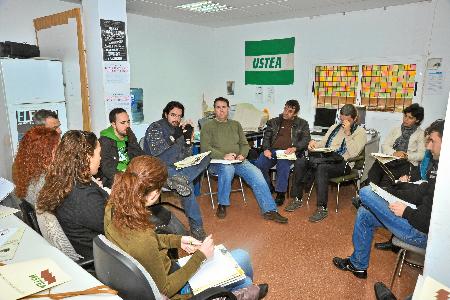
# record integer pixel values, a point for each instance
(35, 246)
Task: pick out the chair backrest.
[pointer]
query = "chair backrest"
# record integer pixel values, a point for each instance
(115, 268)
(29, 215)
(54, 234)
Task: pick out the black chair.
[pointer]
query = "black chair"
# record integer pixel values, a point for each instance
(121, 272)
(29, 215)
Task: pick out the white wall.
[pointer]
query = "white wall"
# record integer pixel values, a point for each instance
(170, 61)
(16, 17)
(378, 35)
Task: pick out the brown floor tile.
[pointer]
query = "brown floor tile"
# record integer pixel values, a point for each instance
(295, 258)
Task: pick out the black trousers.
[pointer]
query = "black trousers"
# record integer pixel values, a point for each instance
(398, 168)
(305, 174)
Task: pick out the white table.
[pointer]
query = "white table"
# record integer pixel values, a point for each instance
(35, 246)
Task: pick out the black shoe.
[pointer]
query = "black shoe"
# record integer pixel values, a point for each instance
(345, 265)
(386, 246)
(198, 233)
(263, 290)
(382, 292)
(275, 216)
(320, 214)
(279, 200)
(221, 211)
(356, 201)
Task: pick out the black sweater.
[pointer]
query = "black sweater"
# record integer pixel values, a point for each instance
(81, 216)
(419, 195)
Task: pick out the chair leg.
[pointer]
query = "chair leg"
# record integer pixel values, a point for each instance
(400, 254)
(242, 189)
(309, 194)
(210, 190)
(337, 196)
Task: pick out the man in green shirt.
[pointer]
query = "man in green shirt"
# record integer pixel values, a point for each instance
(226, 141)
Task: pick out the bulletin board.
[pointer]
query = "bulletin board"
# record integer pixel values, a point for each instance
(335, 85)
(388, 87)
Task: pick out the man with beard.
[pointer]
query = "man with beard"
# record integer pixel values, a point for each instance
(170, 140)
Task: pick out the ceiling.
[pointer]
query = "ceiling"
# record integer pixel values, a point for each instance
(252, 11)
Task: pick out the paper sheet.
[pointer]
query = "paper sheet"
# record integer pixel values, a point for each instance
(6, 211)
(6, 187)
(220, 270)
(322, 150)
(191, 160)
(282, 155)
(389, 197)
(8, 250)
(225, 161)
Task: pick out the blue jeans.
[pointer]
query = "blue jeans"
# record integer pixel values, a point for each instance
(190, 205)
(283, 170)
(375, 213)
(254, 178)
(243, 259)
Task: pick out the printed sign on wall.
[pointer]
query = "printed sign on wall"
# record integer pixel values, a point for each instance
(114, 41)
(269, 62)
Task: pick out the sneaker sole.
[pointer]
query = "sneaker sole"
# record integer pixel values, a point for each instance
(318, 220)
(276, 220)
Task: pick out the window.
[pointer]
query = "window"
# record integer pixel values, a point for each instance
(335, 86)
(388, 87)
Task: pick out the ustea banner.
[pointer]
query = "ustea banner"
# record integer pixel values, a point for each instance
(270, 62)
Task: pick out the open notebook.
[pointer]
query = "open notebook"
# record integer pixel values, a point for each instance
(388, 196)
(220, 270)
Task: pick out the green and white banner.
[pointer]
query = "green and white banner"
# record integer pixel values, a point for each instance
(269, 62)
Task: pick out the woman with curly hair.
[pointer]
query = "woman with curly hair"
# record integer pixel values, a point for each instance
(35, 153)
(69, 192)
(127, 225)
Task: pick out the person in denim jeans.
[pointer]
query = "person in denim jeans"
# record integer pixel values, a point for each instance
(406, 223)
(226, 141)
(169, 139)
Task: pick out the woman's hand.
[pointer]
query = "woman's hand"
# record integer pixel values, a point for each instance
(404, 178)
(397, 208)
(189, 244)
(312, 145)
(207, 247)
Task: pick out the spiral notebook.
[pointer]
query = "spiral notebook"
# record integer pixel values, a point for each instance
(220, 270)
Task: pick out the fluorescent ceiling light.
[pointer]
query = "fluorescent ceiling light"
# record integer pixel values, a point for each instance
(204, 7)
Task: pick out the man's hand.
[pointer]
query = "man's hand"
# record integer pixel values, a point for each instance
(230, 156)
(312, 145)
(400, 154)
(397, 208)
(347, 126)
(405, 178)
(240, 157)
(177, 133)
(290, 150)
(268, 154)
(188, 133)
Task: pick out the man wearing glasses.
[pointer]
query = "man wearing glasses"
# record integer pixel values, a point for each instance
(170, 140)
(119, 146)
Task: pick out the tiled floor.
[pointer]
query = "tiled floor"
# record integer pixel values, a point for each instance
(295, 259)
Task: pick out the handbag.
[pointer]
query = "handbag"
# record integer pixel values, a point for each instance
(317, 158)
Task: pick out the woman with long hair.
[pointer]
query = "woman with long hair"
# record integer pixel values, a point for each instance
(69, 192)
(35, 153)
(127, 225)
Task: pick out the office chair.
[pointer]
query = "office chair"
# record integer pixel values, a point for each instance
(211, 193)
(404, 248)
(29, 215)
(51, 231)
(355, 175)
(123, 273)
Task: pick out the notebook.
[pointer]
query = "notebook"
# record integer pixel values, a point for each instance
(388, 196)
(220, 270)
(191, 160)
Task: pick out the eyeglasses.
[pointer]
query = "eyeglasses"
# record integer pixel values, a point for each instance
(173, 115)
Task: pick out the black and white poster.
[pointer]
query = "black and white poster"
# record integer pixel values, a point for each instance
(114, 41)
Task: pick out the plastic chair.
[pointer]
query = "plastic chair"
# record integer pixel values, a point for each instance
(355, 175)
(406, 248)
(29, 215)
(120, 271)
(211, 193)
(52, 231)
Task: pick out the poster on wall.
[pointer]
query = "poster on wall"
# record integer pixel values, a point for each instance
(116, 72)
(118, 100)
(434, 77)
(269, 62)
(24, 115)
(137, 105)
(114, 41)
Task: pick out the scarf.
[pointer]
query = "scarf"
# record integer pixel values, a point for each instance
(343, 148)
(401, 143)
